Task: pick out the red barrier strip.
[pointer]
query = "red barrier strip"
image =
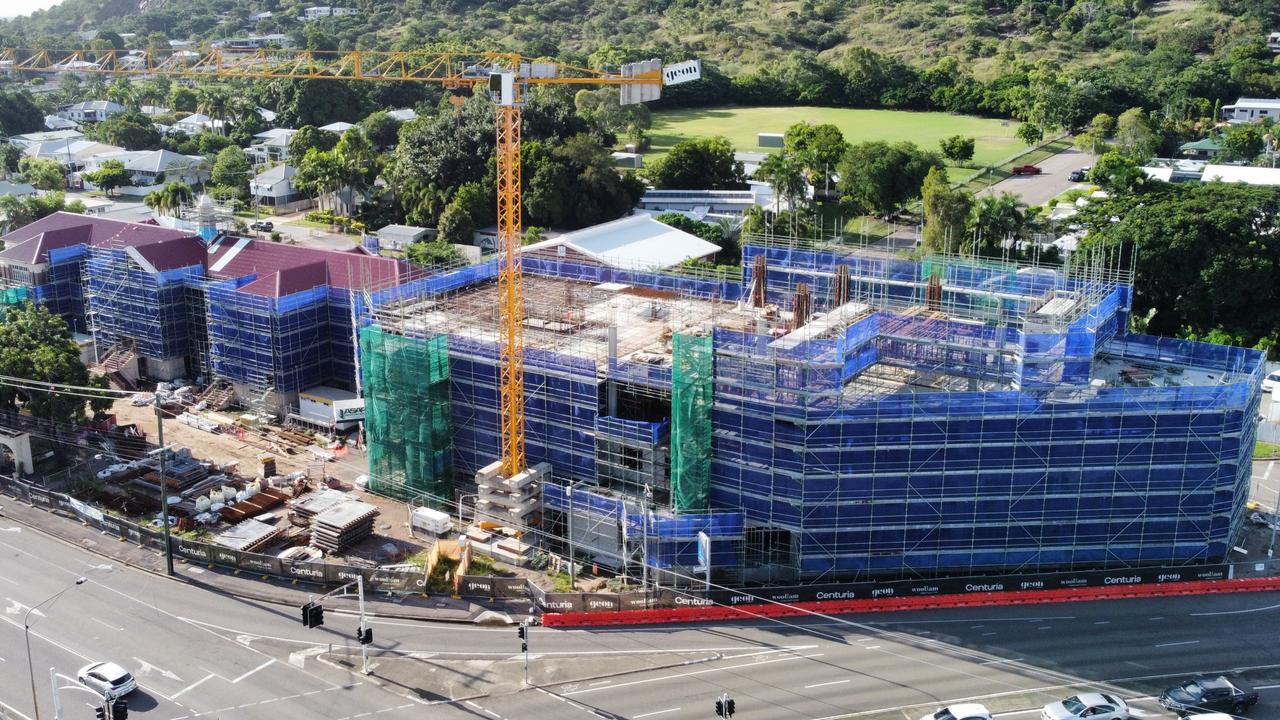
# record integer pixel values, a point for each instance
(889, 604)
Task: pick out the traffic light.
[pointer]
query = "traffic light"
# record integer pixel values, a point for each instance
(120, 709)
(728, 707)
(719, 707)
(524, 647)
(100, 712)
(523, 631)
(312, 615)
(365, 636)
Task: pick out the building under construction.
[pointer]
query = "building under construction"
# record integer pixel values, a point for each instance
(826, 415)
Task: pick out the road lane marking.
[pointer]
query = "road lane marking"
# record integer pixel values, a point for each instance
(1175, 644)
(107, 625)
(696, 672)
(1236, 612)
(146, 668)
(872, 647)
(14, 710)
(263, 665)
(193, 685)
(654, 712)
(1103, 622)
(999, 662)
(833, 682)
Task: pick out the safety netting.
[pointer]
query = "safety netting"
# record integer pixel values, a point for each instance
(691, 391)
(407, 426)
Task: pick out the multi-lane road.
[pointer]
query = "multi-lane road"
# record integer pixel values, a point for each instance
(199, 654)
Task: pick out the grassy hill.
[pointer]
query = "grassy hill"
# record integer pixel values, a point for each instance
(995, 138)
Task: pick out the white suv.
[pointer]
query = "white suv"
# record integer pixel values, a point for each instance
(107, 679)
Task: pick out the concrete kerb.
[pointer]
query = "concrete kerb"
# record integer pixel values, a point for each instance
(68, 539)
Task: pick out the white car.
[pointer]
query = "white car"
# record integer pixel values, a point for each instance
(1270, 381)
(960, 711)
(1087, 706)
(107, 679)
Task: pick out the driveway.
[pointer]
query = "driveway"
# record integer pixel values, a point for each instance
(1039, 189)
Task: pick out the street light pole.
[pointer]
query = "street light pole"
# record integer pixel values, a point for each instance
(26, 637)
(572, 574)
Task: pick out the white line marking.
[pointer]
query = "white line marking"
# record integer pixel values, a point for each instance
(193, 685)
(1236, 612)
(263, 665)
(872, 647)
(14, 710)
(107, 625)
(655, 712)
(1103, 622)
(833, 682)
(1174, 644)
(998, 662)
(601, 682)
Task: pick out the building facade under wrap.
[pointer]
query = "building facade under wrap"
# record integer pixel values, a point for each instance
(835, 415)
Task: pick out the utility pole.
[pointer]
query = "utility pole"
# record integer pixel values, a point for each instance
(572, 574)
(164, 488)
(644, 543)
(364, 646)
(523, 632)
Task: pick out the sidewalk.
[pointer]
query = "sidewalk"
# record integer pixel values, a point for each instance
(440, 608)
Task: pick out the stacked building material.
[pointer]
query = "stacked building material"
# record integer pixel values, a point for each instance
(342, 526)
(310, 505)
(248, 536)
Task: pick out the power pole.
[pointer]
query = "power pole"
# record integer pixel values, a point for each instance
(364, 646)
(164, 488)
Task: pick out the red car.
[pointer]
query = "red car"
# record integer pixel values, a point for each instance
(1026, 170)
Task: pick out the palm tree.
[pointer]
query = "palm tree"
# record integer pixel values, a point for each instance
(123, 92)
(785, 174)
(214, 100)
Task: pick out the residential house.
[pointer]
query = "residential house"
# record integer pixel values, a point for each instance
(56, 122)
(274, 187)
(1202, 149)
(29, 139)
(272, 145)
(324, 11)
(1251, 109)
(91, 110)
(73, 155)
(160, 166)
(403, 114)
(632, 243)
(1241, 174)
(196, 123)
(701, 203)
(255, 42)
(337, 128)
(1273, 42)
(16, 189)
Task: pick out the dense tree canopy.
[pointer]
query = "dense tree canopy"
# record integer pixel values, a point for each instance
(880, 177)
(36, 344)
(698, 164)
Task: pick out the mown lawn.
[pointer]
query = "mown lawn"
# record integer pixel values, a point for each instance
(995, 138)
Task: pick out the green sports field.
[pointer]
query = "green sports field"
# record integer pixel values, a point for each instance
(995, 138)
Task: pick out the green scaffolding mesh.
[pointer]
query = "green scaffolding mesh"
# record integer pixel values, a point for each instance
(691, 378)
(406, 391)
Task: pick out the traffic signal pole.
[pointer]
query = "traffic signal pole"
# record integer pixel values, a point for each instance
(364, 647)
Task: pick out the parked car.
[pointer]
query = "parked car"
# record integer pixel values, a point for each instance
(1269, 382)
(1079, 175)
(960, 711)
(1027, 170)
(1087, 706)
(262, 225)
(1209, 693)
(107, 679)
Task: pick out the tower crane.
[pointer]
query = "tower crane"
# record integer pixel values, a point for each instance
(506, 77)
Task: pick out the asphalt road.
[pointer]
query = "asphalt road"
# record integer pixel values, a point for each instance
(200, 654)
(1039, 189)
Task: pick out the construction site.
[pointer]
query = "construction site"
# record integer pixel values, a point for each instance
(835, 414)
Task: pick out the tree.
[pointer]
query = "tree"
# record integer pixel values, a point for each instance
(231, 170)
(995, 221)
(170, 198)
(109, 176)
(42, 173)
(877, 176)
(430, 253)
(214, 101)
(18, 212)
(957, 148)
(946, 212)
(1102, 125)
(320, 174)
(1117, 172)
(1243, 142)
(455, 226)
(381, 129)
(440, 153)
(130, 129)
(818, 147)
(356, 161)
(183, 99)
(1210, 259)
(601, 108)
(307, 138)
(1030, 133)
(698, 164)
(36, 344)
(711, 232)
(574, 183)
(19, 114)
(10, 156)
(785, 175)
(1134, 135)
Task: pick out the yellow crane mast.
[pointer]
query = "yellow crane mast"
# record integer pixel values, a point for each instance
(507, 76)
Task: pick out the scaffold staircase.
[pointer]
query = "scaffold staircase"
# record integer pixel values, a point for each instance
(218, 395)
(112, 365)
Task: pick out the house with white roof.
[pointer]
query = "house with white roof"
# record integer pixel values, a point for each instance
(324, 11)
(157, 167)
(1251, 109)
(403, 114)
(1241, 174)
(91, 110)
(29, 139)
(196, 123)
(274, 187)
(337, 128)
(637, 242)
(272, 145)
(71, 154)
(57, 122)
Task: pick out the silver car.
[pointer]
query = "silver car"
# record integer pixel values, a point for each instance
(107, 679)
(960, 711)
(1087, 706)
